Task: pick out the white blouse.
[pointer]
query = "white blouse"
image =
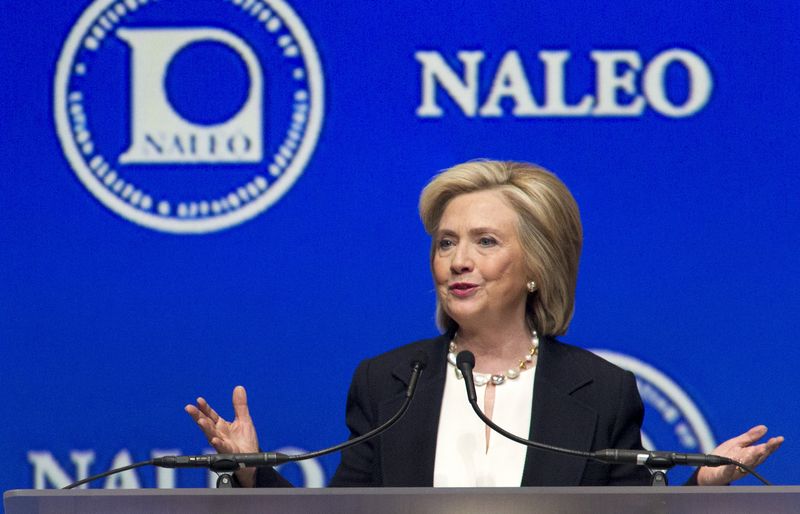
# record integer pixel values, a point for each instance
(462, 459)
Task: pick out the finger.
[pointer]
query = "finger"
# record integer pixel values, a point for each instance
(192, 411)
(753, 456)
(751, 436)
(240, 408)
(769, 446)
(773, 444)
(198, 414)
(207, 410)
(208, 428)
(195, 413)
(764, 450)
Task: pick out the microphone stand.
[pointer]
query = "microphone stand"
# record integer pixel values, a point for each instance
(225, 481)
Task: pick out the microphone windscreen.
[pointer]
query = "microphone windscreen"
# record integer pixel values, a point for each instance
(465, 357)
(420, 359)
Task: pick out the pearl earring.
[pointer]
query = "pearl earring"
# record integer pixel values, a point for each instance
(531, 286)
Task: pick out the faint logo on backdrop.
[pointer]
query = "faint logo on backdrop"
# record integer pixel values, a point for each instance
(679, 424)
(188, 116)
(49, 472)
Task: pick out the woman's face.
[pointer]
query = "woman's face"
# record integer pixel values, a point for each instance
(478, 263)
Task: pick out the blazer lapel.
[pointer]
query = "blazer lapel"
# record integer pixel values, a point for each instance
(558, 419)
(408, 449)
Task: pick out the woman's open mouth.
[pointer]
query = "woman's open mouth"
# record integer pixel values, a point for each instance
(462, 289)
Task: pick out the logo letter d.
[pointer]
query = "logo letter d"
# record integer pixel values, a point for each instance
(158, 133)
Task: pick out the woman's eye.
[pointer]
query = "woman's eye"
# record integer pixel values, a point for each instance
(487, 241)
(444, 244)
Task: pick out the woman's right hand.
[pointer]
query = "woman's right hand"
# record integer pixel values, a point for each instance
(237, 436)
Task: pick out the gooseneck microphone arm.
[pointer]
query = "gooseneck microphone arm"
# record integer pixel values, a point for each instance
(465, 361)
(417, 365)
(227, 462)
(657, 460)
(109, 472)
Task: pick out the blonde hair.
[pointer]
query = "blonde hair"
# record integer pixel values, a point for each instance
(549, 231)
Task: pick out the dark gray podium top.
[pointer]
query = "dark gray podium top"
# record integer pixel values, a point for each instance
(595, 500)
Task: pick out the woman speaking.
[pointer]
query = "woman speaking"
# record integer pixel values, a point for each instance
(506, 241)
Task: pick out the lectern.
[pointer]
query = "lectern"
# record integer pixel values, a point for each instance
(594, 500)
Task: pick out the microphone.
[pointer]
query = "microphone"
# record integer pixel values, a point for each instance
(660, 459)
(465, 361)
(222, 462)
(227, 462)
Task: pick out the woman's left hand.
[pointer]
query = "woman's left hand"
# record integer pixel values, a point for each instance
(740, 449)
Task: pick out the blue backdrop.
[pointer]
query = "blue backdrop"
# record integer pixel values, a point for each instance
(278, 248)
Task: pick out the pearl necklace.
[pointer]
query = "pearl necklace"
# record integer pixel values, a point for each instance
(481, 379)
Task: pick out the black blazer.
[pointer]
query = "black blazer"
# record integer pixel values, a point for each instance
(580, 401)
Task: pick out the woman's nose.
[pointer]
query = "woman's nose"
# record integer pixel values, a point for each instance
(462, 261)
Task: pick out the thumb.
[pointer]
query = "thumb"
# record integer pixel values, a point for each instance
(240, 408)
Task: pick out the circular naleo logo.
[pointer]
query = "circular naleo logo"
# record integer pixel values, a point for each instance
(188, 116)
(678, 421)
